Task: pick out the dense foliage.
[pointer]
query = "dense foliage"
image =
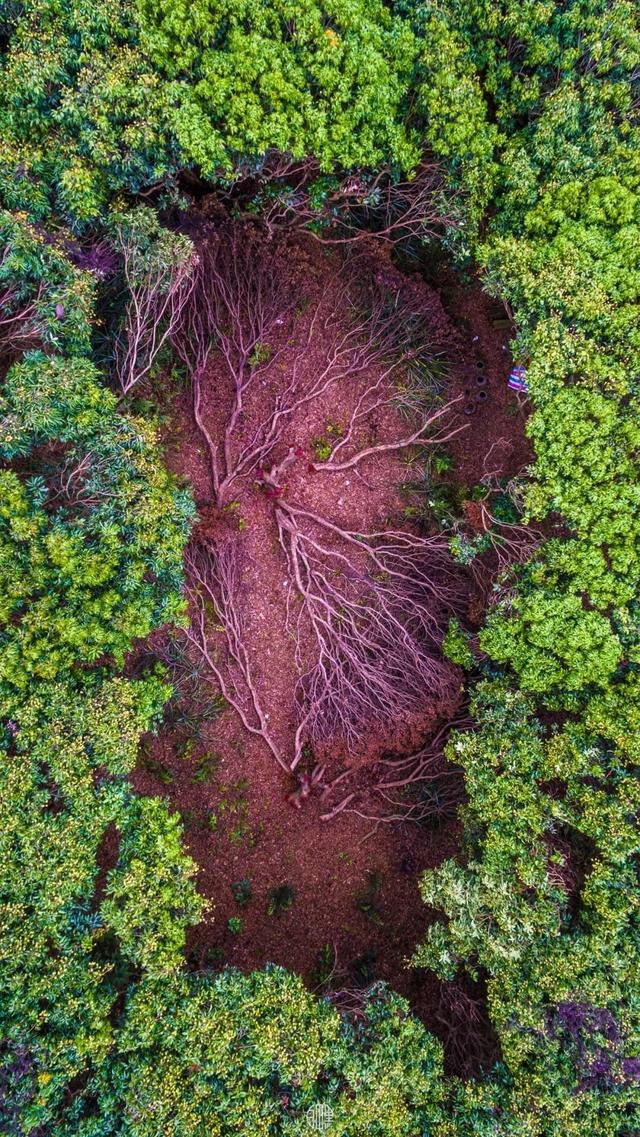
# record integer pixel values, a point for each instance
(531, 109)
(546, 905)
(92, 539)
(132, 93)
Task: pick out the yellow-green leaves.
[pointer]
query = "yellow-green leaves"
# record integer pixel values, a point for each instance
(91, 537)
(246, 77)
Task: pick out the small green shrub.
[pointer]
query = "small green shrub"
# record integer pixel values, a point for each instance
(206, 767)
(366, 901)
(281, 899)
(242, 893)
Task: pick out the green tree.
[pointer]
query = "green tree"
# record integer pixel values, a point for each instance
(91, 553)
(324, 79)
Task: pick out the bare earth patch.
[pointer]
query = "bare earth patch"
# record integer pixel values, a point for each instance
(348, 910)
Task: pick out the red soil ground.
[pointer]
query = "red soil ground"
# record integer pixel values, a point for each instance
(355, 885)
(495, 442)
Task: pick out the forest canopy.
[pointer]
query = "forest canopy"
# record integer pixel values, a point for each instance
(226, 213)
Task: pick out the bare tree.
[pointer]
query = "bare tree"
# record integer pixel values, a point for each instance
(469, 1042)
(418, 787)
(498, 544)
(159, 278)
(215, 602)
(19, 327)
(292, 195)
(241, 296)
(371, 399)
(77, 484)
(373, 603)
(367, 609)
(243, 301)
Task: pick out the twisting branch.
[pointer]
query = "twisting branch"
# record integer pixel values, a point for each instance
(423, 436)
(497, 544)
(373, 604)
(76, 485)
(18, 318)
(464, 1026)
(241, 296)
(415, 788)
(16, 324)
(214, 592)
(353, 1002)
(387, 209)
(512, 543)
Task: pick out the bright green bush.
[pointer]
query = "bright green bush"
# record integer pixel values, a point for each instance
(81, 114)
(150, 923)
(552, 643)
(511, 912)
(65, 754)
(326, 79)
(101, 98)
(91, 542)
(545, 905)
(252, 1054)
(452, 115)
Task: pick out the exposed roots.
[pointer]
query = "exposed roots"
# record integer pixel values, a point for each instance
(419, 788)
(374, 604)
(215, 602)
(242, 311)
